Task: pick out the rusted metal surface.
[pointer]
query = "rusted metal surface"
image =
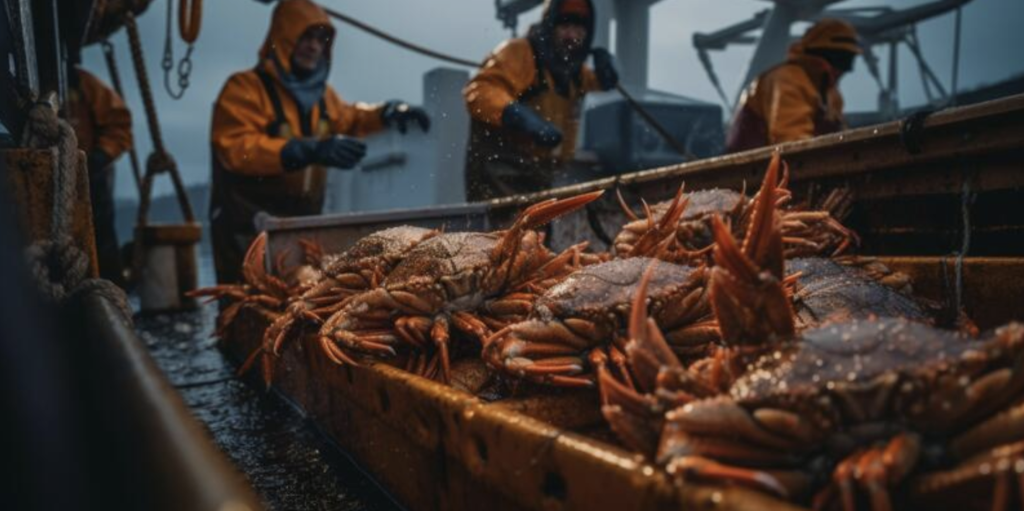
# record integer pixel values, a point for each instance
(30, 178)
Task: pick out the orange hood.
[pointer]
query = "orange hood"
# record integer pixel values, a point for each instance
(290, 20)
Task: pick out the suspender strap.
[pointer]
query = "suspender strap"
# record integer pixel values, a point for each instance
(274, 128)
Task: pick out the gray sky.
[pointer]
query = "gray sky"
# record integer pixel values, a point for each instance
(367, 69)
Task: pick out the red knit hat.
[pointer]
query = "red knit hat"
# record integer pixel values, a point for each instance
(580, 8)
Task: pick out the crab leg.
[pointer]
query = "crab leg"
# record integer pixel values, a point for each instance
(440, 334)
(695, 467)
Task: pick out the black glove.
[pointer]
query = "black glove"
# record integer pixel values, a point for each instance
(341, 152)
(98, 160)
(298, 153)
(337, 151)
(525, 119)
(607, 76)
(401, 113)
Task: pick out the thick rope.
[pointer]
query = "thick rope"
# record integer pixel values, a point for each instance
(59, 268)
(115, 78)
(160, 160)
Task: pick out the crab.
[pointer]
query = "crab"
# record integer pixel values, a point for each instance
(339, 277)
(259, 286)
(473, 282)
(867, 401)
(562, 341)
(806, 231)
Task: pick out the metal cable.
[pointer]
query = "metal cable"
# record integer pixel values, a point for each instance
(956, 58)
(189, 22)
(647, 117)
(400, 42)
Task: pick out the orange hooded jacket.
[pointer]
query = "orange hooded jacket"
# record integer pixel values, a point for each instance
(514, 72)
(247, 137)
(99, 116)
(796, 100)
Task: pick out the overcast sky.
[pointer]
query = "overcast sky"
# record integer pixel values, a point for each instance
(367, 69)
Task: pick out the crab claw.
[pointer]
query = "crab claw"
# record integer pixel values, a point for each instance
(538, 215)
(648, 352)
(652, 240)
(747, 291)
(634, 417)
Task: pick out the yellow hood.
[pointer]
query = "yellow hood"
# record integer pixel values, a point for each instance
(290, 20)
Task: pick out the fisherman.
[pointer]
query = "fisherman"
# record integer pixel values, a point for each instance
(798, 99)
(277, 127)
(525, 102)
(103, 126)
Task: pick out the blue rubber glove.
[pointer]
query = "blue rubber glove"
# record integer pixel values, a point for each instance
(525, 119)
(337, 152)
(401, 114)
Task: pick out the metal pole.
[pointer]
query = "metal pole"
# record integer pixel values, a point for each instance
(956, 57)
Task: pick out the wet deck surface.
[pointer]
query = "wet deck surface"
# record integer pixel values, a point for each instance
(288, 463)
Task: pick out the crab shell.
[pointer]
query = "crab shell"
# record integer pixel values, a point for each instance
(470, 281)
(339, 276)
(693, 231)
(827, 291)
(590, 309)
(846, 386)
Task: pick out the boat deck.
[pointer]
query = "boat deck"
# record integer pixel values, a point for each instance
(281, 453)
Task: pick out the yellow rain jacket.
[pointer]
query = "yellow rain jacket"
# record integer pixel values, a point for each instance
(798, 99)
(502, 162)
(253, 118)
(99, 116)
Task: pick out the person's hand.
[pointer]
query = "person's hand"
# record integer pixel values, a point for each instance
(337, 151)
(607, 76)
(400, 114)
(298, 153)
(527, 120)
(340, 151)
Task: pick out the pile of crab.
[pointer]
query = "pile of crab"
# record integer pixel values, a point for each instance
(771, 362)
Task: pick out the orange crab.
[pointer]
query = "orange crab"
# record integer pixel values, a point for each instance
(472, 281)
(840, 416)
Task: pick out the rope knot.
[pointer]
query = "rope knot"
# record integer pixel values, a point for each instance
(58, 267)
(160, 161)
(42, 127)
